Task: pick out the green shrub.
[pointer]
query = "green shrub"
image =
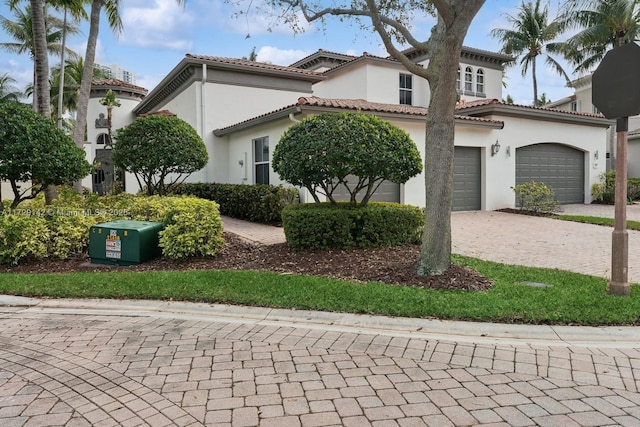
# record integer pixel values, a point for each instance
(257, 203)
(192, 225)
(535, 197)
(633, 189)
(605, 190)
(22, 236)
(69, 232)
(323, 226)
(320, 153)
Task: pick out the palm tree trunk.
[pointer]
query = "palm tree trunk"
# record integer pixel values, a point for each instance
(536, 101)
(61, 80)
(87, 77)
(42, 97)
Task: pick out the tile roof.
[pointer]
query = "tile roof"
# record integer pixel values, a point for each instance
(464, 105)
(117, 83)
(251, 64)
(360, 105)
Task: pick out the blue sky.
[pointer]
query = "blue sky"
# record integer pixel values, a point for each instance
(158, 33)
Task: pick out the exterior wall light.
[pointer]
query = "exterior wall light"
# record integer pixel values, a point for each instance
(595, 155)
(495, 148)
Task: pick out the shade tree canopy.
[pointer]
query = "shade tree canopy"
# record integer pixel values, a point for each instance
(161, 151)
(322, 151)
(34, 153)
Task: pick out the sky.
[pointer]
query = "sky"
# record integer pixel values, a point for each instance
(157, 34)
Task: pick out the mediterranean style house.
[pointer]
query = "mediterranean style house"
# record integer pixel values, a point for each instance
(580, 101)
(240, 108)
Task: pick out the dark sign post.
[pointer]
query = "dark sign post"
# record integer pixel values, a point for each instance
(616, 93)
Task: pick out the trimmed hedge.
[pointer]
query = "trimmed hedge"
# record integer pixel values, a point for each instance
(257, 203)
(192, 226)
(323, 226)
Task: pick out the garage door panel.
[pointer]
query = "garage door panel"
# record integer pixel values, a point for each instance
(387, 191)
(558, 166)
(466, 179)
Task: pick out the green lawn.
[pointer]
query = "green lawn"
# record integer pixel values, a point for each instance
(631, 225)
(573, 298)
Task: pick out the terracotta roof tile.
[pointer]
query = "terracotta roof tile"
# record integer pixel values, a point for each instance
(159, 113)
(479, 103)
(252, 64)
(362, 105)
(118, 83)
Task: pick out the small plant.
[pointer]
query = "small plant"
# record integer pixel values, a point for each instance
(605, 190)
(535, 197)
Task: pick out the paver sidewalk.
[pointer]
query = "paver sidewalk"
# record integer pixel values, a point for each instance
(109, 368)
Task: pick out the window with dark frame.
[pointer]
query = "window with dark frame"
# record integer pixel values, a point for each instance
(480, 81)
(261, 160)
(406, 89)
(468, 79)
(103, 139)
(459, 80)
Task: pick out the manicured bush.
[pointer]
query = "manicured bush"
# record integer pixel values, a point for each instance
(323, 226)
(161, 151)
(605, 190)
(192, 225)
(321, 152)
(535, 197)
(23, 236)
(256, 203)
(34, 153)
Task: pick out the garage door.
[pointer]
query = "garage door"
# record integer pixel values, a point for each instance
(466, 179)
(386, 192)
(558, 166)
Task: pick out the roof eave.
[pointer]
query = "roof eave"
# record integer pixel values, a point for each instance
(536, 114)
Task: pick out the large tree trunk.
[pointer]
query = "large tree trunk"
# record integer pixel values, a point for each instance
(445, 46)
(41, 95)
(87, 77)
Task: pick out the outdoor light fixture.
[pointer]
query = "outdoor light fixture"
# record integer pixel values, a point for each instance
(495, 148)
(241, 162)
(508, 151)
(595, 155)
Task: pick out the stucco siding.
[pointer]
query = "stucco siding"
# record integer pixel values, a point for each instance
(634, 158)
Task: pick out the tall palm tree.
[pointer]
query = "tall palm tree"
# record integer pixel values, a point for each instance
(70, 85)
(75, 8)
(21, 31)
(8, 92)
(531, 35)
(601, 25)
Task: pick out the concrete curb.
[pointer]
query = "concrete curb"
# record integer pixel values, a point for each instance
(431, 329)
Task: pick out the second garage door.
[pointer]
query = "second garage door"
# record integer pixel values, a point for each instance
(387, 191)
(467, 179)
(558, 166)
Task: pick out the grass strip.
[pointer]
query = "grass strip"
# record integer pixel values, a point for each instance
(572, 299)
(631, 225)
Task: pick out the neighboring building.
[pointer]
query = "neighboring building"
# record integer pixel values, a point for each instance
(114, 71)
(581, 101)
(241, 108)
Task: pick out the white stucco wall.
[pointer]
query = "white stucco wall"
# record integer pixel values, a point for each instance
(121, 117)
(517, 132)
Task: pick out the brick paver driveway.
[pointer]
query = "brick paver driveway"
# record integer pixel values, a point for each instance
(543, 242)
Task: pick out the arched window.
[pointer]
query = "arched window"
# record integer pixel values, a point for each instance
(480, 81)
(459, 80)
(103, 139)
(468, 79)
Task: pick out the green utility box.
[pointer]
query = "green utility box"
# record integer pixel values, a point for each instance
(124, 242)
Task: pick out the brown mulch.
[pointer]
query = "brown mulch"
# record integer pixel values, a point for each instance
(392, 265)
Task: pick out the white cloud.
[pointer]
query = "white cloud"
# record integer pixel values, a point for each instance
(160, 23)
(273, 55)
(20, 71)
(81, 49)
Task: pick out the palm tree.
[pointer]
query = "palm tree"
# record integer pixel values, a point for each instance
(531, 35)
(22, 32)
(76, 9)
(601, 25)
(70, 85)
(8, 92)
